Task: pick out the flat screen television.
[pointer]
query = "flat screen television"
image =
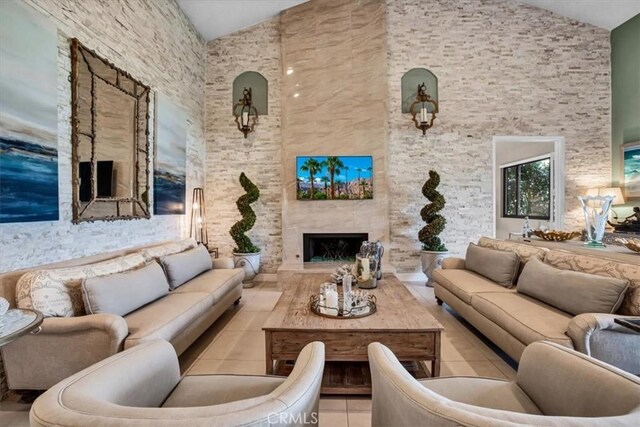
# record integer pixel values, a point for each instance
(104, 178)
(334, 177)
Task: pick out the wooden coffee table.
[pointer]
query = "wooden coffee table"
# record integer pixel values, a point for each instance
(401, 323)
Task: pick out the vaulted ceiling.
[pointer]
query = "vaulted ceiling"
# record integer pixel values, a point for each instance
(216, 18)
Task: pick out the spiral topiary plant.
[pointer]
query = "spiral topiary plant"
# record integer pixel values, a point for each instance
(243, 243)
(435, 222)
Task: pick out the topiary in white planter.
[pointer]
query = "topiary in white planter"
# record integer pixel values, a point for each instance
(246, 255)
(433, 250)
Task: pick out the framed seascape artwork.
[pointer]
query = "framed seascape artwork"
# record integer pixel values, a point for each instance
(169, 176)
(630, 170)
(28, 116)
(334, 177)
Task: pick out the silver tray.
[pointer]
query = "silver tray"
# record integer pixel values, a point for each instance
(354, 313)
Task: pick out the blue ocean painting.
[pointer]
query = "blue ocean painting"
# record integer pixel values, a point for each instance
(28, 116)
(334, 177)
(632, 171)
(169, 179)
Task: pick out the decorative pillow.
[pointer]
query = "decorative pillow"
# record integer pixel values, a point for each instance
(156, 252)
(182, 267)
(58, 293)
(603, 267)
(125, 292)
(571, 291)
(499, 266)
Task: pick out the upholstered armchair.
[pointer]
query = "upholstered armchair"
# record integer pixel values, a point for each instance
(555, 386)
(142, 387)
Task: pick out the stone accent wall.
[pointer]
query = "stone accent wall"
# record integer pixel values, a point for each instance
(155, 43)
(229, 153)
(503, 69)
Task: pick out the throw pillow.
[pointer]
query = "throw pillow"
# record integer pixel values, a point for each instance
(125, 292)
(182, 267)
(603, 267)
(58, 293)
(571, 291)
(499, 266)
(156, 252)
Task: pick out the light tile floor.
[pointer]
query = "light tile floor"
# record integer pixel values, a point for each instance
(235, 345)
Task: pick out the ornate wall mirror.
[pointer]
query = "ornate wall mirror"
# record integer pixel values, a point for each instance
(110, 140)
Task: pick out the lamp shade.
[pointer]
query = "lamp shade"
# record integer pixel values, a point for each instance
(615, 192)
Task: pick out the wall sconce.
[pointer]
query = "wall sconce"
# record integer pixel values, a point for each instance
(198, 227)
(419, 107)
(245, 113)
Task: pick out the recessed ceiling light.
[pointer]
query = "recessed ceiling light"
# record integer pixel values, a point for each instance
(289, 71)
(295, 95)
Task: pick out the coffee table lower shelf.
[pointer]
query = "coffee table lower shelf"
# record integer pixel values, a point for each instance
(350, 378)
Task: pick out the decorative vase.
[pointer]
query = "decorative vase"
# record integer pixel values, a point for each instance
(430, 261)
(250, 262)
(595, 217)
(366, 271)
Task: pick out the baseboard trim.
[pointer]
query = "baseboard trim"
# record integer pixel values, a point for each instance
(416, 276)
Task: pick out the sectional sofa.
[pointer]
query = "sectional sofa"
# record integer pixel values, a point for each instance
(117, 300)
(513, 318)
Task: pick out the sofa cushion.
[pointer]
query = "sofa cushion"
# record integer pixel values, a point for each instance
(167, 317)
(125, 292)
(215, 282)
(527, 319)
(170, 248)
(571, 291)
(58, 292)
(490, 393)
(184, 266)
(603, 267)
(499, 266)
(210, 390)
(465, 283)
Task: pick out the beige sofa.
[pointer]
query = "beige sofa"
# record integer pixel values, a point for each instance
(513, 320)
(142, 387)
(66, 345)
(555, 386)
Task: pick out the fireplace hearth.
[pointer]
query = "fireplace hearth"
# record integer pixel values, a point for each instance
(332, 247)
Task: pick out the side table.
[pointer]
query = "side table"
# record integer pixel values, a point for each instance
(214, 252)
(17, 322)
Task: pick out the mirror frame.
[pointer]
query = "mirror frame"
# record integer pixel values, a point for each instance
(78, 53)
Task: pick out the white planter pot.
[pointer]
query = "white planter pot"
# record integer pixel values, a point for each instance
(251, 265)
(430, 261)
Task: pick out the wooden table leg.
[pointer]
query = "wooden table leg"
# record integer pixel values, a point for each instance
(268, 356)
(435, 364)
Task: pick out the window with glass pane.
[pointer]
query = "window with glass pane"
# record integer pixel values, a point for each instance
(527, 190)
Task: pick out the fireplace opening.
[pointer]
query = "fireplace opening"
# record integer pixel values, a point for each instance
(332, 247)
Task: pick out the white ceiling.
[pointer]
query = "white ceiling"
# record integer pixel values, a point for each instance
(606, 14)
(216, 18)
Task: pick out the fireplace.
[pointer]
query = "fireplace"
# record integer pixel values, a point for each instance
(332, 247)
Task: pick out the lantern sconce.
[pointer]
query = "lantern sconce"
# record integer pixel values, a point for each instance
(419, 106)
(249, 100)
(245, 113)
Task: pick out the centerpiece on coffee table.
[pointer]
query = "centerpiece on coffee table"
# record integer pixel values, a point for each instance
(357, 304)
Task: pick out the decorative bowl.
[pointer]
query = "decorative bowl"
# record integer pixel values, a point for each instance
(633, 244)
(556, 235)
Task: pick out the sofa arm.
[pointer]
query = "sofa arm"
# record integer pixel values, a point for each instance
(223, 263)
(38, 361)
(453, 264)
(597, 335)
(583, 326)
